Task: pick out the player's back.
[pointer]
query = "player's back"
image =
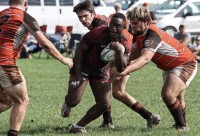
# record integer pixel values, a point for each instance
(12, 34)
(169, 52)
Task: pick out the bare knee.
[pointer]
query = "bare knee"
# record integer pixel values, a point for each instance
(167, 96)
(22, 100)
(117, 94)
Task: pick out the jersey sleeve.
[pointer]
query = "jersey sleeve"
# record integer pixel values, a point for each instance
(31, 24)
(152, 41)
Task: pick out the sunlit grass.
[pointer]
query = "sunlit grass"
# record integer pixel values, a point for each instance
(47, 83)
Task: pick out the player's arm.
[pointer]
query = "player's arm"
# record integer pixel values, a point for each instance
(79, 55)
(149, 48)
(141, 61)
(121, 60)
(135, 53)
(33, 27)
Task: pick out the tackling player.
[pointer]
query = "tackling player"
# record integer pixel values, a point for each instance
(176, 60)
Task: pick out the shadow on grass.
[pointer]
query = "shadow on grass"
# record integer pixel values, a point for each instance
(45, 129)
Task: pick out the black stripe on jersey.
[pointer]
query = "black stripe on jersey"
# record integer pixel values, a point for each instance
(31, 24)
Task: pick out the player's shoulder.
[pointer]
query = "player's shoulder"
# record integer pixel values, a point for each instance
(102, 17)
(99, 30)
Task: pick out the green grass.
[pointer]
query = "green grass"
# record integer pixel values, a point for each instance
(47, 83)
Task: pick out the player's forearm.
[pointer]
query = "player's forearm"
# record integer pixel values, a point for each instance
(121, 62)
(137, 64)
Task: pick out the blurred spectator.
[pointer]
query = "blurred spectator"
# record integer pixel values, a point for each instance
(196, 48)
(153, 17)
(24, 53)
(183, 37)
(118, 9)
(61, 38)
(32, 45)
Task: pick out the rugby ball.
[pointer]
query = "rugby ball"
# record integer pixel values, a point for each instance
(108, 55)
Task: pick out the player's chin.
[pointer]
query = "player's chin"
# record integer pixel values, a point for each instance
(113, 35)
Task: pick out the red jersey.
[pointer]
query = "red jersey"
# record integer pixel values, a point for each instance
(169, 52)
(103, 21)
(99, 21)
(97, 40)
(14, 26)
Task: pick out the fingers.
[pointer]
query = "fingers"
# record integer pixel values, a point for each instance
(70, 64)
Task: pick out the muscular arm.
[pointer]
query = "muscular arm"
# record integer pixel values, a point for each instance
(135, 53)
(141, 61)
(120, 61)
(79, 55)
(33, 27)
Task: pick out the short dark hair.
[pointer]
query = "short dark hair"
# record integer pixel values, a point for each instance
(120, 15)
(13, 2)
(86, 5)
(181, 26)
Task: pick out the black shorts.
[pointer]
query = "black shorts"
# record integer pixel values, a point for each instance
(102, 74)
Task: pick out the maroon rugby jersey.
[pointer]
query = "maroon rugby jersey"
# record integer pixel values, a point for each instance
(98, 39)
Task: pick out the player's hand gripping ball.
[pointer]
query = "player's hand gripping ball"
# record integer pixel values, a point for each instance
(109, 55)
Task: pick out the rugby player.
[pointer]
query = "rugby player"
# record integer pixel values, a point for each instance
(15, 24)
(176, 60)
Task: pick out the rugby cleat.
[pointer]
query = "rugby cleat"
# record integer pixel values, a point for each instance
(107, 126)
(65, 110)
(77, 129)
(182, 128)
(153, 121)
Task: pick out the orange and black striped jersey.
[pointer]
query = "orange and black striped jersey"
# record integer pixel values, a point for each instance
(169, 52)
(14, 27)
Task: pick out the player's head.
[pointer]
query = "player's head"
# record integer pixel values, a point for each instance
(85, 12)
(116, 26)
(22, 3)
(182, 29)
(139, 19)
(197, 39)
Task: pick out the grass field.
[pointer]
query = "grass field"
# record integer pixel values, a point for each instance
(47, 83)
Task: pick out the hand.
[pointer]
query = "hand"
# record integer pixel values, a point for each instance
(120, 75)
(115, 46)
(67, 61)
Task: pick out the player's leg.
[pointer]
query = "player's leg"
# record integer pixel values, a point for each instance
(18, 94)
(107, 118)
(119, 93)
(102, 94)
(183, 104)
(5, 101)
(172, 87)
(175, 82)
(75, 92)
